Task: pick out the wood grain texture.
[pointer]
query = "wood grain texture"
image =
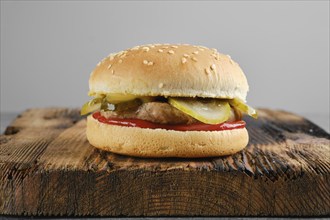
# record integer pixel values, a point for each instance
(47, 167)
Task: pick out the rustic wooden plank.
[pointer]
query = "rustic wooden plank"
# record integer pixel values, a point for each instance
(47, 167)
(44, 118)
(59, 154)
(23, 143)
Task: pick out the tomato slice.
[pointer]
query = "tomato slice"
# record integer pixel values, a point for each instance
(147, 124)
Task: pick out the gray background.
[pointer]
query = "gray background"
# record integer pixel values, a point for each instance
(48, 49)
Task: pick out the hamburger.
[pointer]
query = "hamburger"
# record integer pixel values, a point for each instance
(168, 100)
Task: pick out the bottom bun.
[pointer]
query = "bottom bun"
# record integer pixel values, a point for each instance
(145, 142)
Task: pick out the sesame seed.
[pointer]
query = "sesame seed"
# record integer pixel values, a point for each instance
(186, 55)
(123, 55)
(207, 71)
(145, 62)
(150, 63)
(135, 48)
(146, 49)
(171, 52)
(228, 56)
(164, 47)
(194, 59)
(183, 60)
(120, 61)
(173, 46)
(111, 55)
(160, 50)
(216, 56)
(113, 72)
(98, 64)
(111, 58)
(161, 85)
(195, 52)
(120, 53)
(109, 66)
(213, 67)
(215, 50)
(201, 49)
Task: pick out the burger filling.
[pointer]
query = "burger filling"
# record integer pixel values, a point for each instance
(160, 113)
(168, 111)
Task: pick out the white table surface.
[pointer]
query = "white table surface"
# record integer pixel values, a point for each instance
(322, 120)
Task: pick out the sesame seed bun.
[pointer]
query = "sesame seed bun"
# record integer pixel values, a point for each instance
(167, 70)
(170, 70)
(146, 142)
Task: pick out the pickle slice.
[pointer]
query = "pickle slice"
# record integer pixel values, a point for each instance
(91, 106)
(242, 106)
(114, 101)
(209, 111)
(115, 98)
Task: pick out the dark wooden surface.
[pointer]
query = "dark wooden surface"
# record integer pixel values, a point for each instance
(47, 167)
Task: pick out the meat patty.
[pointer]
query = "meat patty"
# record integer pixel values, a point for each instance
(156, 112)
(163, 113)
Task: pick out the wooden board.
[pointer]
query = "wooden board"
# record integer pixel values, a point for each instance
(47, 167)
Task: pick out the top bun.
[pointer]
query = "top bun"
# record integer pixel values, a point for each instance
(170, 70)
